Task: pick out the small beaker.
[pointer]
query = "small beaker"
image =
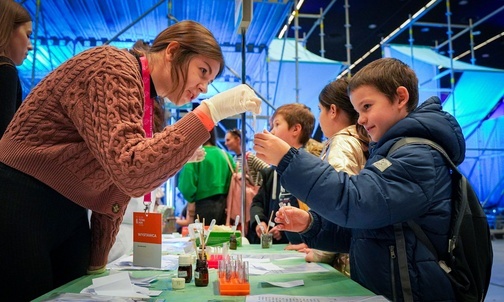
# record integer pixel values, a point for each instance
(266, 240)
(233, 242)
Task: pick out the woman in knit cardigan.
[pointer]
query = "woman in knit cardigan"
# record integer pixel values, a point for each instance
(82, 141)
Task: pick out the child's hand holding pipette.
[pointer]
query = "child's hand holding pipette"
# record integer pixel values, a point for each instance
(261, 227)
(283, 204)
(292, 219)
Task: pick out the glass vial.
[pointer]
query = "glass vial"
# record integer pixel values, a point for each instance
(201, 273)
(266, 240)
(233, 242)
(185, 268)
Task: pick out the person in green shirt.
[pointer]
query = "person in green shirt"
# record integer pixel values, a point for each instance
(205, 185)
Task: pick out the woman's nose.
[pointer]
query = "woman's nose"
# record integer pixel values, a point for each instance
(203, 87)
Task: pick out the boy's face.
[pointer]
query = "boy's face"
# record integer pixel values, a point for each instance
(280, 128)
(376, 112)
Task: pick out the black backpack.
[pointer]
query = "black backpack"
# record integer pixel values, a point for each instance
(469, 256)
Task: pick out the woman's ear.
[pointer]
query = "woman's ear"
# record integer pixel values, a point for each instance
(402, 96)
(333, 110)
(171, 49)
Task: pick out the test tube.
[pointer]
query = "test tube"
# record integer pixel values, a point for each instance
(222, 269)
(244, 273)
(283, 204)
(234, 269)
(228, 271)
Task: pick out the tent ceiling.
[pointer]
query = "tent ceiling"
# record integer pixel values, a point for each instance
(65, 28)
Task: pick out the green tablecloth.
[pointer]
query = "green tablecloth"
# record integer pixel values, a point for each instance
(329, 284)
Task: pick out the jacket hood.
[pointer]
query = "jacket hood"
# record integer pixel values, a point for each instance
(429, 121)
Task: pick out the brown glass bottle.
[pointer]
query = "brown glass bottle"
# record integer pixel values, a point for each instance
(201, 273)
(185, 268)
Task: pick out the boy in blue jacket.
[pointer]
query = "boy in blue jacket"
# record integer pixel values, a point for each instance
(356, 214)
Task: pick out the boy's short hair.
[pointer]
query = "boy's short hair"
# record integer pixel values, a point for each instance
(297, 113)
(386, 75)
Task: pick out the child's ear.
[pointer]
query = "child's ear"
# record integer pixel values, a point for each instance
(333, 109)
(402, 96)
(297, 128)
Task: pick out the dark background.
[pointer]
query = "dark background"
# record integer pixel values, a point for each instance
(372, 20)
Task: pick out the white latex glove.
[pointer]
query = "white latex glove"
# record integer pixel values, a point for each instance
(233, 101)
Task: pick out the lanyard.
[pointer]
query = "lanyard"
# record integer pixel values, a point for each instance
(148, 102)
(148, 109)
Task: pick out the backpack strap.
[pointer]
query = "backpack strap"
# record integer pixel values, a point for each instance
(228, 161)
(422, 141)
(419, 233)
(402, 260)
(456, 227)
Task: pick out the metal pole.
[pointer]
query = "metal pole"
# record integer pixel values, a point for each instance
(322, 34)
(296, 39)
(411, 40)
(37, 12)
(471, 43)
(321, 17)
(450, 52)
(173, 180)
(267, 78)
(348, 45)
(243, 139)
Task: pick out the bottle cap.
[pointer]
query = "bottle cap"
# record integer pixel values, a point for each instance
(185, 259)
(178, 283)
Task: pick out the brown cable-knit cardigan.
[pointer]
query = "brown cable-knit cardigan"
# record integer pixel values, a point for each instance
(80, 132)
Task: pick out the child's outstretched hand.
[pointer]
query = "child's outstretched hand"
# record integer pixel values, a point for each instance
(292, 219)
(270, 148)
(198, 155)
(300, 247)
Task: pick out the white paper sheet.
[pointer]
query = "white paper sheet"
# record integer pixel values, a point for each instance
(118, 285)
(287, 284)
(284, 298)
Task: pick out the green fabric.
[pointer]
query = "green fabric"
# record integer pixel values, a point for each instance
(206, 178)
(326, 284)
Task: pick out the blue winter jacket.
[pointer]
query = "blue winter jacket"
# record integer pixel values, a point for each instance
(356, 214)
